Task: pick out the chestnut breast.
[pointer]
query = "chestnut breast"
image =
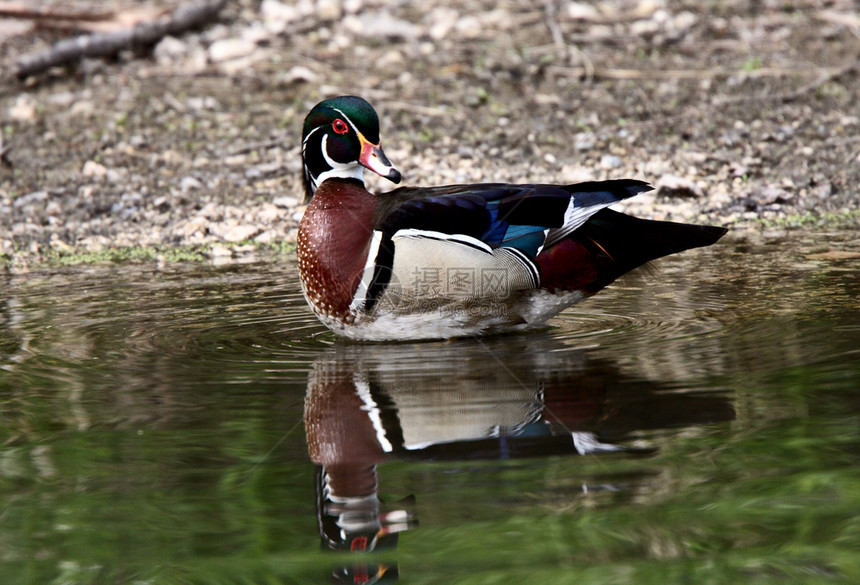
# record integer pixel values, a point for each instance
(333, 241)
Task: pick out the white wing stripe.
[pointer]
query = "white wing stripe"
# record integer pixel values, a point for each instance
(574, 218)
(360, 297)
(458, 238)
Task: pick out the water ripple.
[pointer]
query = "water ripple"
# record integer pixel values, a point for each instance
(97, 312)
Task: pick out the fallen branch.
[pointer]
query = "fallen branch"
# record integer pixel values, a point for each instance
(796, 94)
(139, 37)
(50, 13)
(633, 74)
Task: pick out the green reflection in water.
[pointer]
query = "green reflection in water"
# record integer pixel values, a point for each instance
(150, 424)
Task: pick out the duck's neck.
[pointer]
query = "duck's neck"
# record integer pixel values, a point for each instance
(312, 182)
(333, 242)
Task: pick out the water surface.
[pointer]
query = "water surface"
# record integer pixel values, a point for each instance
(693, 423)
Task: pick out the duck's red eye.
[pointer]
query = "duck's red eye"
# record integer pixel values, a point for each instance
(340, 127)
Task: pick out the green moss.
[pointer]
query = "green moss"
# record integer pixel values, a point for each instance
(279, 247)
(832, 218)
(426, 135)
(752, 64)
(76, 257)
(135, 255)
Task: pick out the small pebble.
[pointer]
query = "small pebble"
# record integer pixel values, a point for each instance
(584, 140)
(582, 11)
(92, 169)
(24, 109)
(189, 184)
(285, 201)
(610, 161)
(229, 49)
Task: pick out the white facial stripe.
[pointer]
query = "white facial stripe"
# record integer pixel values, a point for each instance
(314, 181)
(305, 141)
(356, 173)
(338, 170)
(345, 117)
(351, 170)
(361, 137)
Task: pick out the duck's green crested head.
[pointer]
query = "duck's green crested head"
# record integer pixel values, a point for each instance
(340, 139)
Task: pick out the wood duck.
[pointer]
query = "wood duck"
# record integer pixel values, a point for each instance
(455, 260)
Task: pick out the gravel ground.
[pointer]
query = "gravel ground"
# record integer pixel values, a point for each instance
(742, 114)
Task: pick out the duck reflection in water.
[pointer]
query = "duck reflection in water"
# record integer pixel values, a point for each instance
(495, 398)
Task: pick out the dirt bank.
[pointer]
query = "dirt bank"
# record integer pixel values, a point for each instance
(743, 114)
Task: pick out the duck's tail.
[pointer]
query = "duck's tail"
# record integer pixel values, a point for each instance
(610, 244)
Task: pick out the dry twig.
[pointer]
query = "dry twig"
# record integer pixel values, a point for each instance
(52, 13)
(141, 36)
(796, 94)
(4, 151)
(630, 74)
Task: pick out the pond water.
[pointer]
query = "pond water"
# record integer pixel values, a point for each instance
(695, 423)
